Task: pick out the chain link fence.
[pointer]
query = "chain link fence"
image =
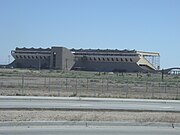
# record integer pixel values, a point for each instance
(87, 87)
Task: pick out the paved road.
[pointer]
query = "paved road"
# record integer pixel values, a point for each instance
(88, 103)
(123, 130)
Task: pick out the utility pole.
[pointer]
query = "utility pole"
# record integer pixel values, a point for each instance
(39, 62)
(162, 74)
(39, 65)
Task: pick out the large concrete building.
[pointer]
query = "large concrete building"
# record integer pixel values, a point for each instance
(85, 59)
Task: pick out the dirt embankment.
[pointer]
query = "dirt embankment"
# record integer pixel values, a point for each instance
(88, 116)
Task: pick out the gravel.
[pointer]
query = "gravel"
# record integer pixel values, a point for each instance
(44, 115)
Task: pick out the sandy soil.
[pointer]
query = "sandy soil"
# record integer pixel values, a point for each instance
(8, 115)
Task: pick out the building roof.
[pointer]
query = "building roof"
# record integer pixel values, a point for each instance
(102, 51)
(32, 49)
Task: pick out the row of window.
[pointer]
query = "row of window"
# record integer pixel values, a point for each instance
(30, 57)
(107, 59)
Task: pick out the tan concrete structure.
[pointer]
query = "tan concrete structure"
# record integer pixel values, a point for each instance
(99, 60)
(61, 58)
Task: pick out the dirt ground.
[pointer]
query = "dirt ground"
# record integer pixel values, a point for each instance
(34, 83)
(13, 115)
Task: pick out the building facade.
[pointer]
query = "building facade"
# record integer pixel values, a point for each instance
(99, 60)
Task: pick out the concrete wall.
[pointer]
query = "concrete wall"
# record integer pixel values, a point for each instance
(31, 63)
(61, 58)
(107, 66)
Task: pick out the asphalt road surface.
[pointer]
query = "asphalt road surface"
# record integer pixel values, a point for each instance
(123, 130)
(88, 103)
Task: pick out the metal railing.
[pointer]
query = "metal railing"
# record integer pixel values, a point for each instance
(55, 86)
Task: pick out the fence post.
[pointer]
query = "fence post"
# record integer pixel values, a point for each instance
(59, 88)
(117, 88)
(177, 95)
(146, 86)
(127, 90)
(165, 85)
(66, 84)
(87, 84)
(107, 84)
(76, 86)
(95, 91)
(102, 86)
(152, 93)
(49, 84)
(45, 82)
(22, 84)
(160, 86)
(1, 84)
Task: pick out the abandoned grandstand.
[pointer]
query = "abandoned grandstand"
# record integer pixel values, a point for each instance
(99, 60)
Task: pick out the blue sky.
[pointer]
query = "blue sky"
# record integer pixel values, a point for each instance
(148, 25)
